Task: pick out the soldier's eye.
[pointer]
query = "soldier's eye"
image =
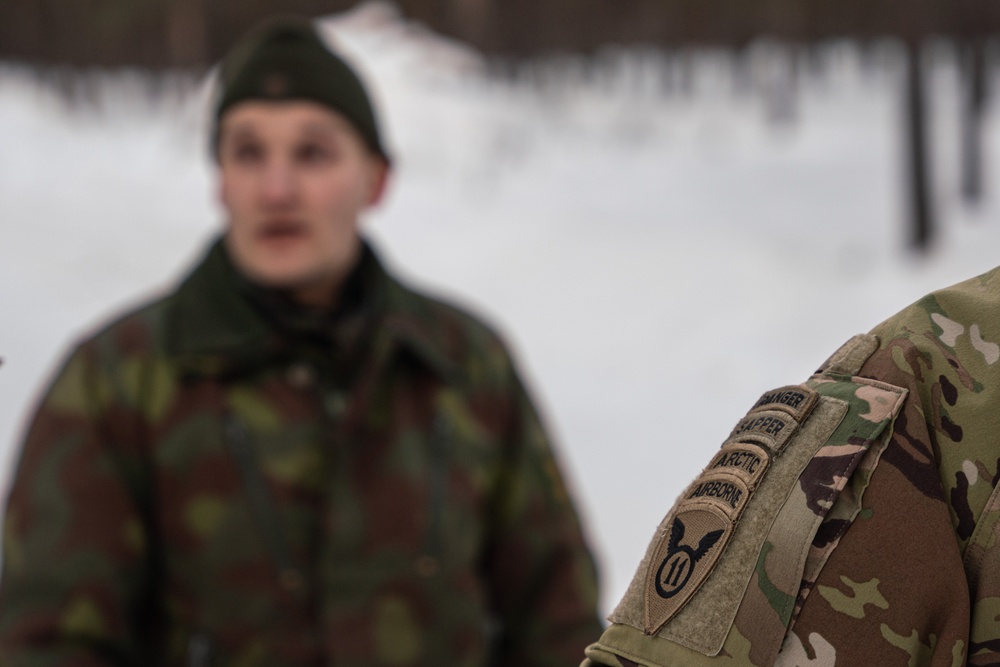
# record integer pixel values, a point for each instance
(314, 153)
(247, 152)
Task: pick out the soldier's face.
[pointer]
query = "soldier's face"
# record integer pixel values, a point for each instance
(294, 177)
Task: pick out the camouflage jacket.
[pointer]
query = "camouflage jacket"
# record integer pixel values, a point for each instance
(852, 520)
(206, 485)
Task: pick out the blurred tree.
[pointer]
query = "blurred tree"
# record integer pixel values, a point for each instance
(916, 129)
(187, 33)
(191, 34)
(974, 95)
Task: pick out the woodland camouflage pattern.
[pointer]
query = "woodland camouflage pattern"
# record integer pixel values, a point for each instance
(903, 565)
(208, 484)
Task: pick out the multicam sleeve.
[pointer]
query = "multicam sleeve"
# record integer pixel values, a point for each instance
(74, 541)
(893, 590)
(542, 573)
(945, 345)
(910, 576)
(982, 559)
(916, 578)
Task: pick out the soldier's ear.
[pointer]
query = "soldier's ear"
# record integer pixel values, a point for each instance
(221, 193)
(378, 180)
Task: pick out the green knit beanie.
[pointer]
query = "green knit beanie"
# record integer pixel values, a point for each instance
(286, 59)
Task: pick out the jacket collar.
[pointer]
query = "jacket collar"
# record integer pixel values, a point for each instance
(215, 328)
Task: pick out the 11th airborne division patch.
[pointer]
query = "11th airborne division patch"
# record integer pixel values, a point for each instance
(707, 513)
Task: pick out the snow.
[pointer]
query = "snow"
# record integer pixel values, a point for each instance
(657, 259)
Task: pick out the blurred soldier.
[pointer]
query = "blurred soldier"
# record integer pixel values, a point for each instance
(852, 520)
(292, 459)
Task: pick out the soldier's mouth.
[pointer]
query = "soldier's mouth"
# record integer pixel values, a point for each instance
(281, 230)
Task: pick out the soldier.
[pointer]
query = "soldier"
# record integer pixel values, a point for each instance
(852, 520)
(292, 459)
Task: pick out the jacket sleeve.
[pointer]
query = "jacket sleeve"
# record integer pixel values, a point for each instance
(893, 591)
(541, 572)
(74, 543)
(983, 563)
(916, 578)
(911, 575)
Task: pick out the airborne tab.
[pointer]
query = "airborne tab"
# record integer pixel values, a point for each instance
(724, 489)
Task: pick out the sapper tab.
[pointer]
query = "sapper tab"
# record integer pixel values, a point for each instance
(770, 428)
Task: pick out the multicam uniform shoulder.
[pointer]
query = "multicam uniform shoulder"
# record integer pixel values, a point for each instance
(946, 348)
(721, 580)
(891, 522)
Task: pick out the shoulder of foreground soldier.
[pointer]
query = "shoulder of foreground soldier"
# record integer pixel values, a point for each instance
(851, 518)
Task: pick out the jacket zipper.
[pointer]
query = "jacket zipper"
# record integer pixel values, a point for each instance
(261, 502)
(199, 650)
(437, 484)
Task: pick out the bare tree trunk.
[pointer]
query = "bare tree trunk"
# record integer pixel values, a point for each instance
(779, 73)
(973, 107)
(917, 158)
(471, 19)
(186, 33)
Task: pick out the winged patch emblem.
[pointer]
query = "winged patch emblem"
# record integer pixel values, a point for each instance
(675, 570)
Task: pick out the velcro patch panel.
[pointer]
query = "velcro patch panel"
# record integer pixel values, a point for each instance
(724, 569)
(696, 533)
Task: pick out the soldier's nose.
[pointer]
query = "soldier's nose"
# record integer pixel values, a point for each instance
(278, 184)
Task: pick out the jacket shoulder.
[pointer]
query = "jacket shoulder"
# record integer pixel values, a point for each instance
(113, 363)
(945, 349)
(949, 313)
(464, 340)
(138, 331)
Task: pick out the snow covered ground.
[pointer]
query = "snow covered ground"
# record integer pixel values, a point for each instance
(656, 259)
